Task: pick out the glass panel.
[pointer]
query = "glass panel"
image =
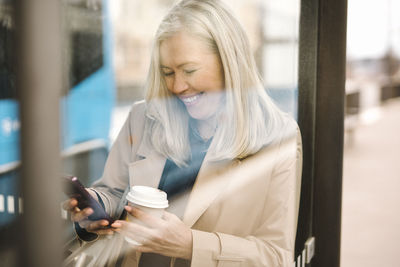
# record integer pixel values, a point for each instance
(7, 73)
(10, 201)
(272, 30)
(88, 102)
(371, 134)
(280, 47)
(84, 26)
(9, 122)
(87, 107)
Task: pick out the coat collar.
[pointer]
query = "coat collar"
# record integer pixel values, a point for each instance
(147, 167)
(145, 149)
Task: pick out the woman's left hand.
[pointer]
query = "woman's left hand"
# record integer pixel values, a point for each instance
(167, 236)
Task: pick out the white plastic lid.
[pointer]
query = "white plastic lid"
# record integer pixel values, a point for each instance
(148, 197)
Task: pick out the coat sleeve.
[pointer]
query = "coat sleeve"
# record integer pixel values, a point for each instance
(272, 243)
(111, 186)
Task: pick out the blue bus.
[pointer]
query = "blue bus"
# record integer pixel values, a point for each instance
(86, 104)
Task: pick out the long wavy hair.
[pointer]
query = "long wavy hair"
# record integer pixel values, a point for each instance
(248, 119)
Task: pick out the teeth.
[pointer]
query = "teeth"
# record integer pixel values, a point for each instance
(190, 99)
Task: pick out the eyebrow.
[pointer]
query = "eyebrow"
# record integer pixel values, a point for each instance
(180, 65)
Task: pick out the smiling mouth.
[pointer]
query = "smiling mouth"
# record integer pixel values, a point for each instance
(191, 100)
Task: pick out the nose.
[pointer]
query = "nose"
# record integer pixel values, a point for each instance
(179, 84)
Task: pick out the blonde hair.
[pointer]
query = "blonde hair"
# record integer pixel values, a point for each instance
(249, 119)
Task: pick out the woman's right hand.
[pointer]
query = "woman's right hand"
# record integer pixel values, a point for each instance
(81, 217)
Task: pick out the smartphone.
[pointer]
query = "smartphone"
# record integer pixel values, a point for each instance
(73, 188)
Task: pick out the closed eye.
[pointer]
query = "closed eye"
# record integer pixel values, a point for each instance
(168, 73)
(189, 71)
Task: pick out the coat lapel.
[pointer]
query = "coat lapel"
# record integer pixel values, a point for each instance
(213, 177)
(147, 170)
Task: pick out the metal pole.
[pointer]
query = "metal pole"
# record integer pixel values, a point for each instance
(329, 128)
(39, 85)
(322, 57)
(308, 55)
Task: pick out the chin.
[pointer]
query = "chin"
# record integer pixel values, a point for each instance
(200, 114)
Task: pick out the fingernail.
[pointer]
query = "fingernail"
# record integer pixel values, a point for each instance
(116, 224)
(128, 208)
(104, 223)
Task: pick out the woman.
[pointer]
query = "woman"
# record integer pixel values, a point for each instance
(209, 136)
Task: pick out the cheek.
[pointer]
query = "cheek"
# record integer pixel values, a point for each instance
(201, 83)
(211, 86)
(211, 82)
(168, 83)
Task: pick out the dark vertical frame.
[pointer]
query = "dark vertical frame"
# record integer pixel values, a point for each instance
(322, 55)
(39, 85)
(329, 131)
(308, 51)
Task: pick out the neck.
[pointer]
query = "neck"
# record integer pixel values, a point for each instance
(207, 127)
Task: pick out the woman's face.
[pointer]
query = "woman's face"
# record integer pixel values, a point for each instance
(193, 73)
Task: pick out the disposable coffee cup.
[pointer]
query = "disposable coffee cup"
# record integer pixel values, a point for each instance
(148, 199)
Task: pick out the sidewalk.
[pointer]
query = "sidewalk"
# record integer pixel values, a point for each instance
(371, 193)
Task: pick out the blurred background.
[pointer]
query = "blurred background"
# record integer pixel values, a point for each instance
(371, 172)
(106, 53)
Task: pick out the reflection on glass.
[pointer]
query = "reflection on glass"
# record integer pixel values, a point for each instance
(87, 105)
(10, 201)
(207, 134)
(280, 57)
(89, 91)
(84, 27)
(271, 26)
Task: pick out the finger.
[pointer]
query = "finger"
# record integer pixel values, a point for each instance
(130, 226)
(116, 224)
(108, 231)
(78, 216)
(84, 223)
(144, 249)
(133, 230)
(70, 204)
(139, 247)
(97, 225)
(167, 216)
(148, 219)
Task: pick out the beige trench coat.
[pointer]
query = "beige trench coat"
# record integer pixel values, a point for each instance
(242, 213)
